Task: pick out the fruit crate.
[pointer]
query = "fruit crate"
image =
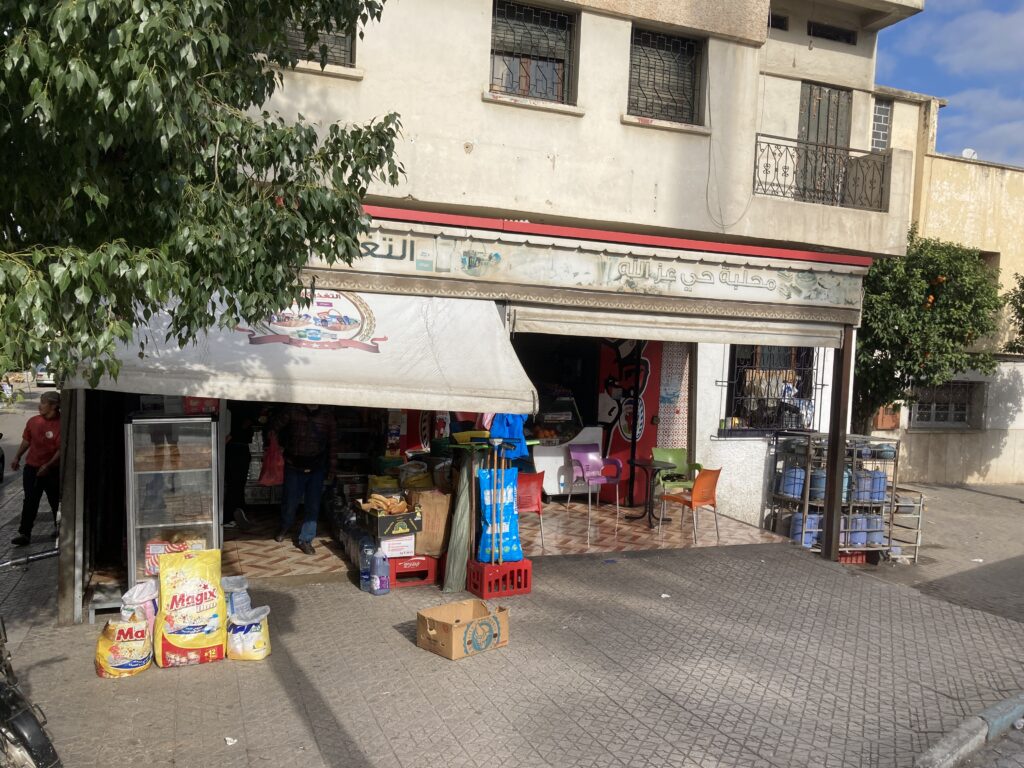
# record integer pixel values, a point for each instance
(490, 580)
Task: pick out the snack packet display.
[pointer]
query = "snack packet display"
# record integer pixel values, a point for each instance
(249, 635)
(191, 626)
(124, 648)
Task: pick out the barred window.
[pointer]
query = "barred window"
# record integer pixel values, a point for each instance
(532, 52)
(770, 388)
(830, 32)
(341, 49)
(955, 405)
(664, 77)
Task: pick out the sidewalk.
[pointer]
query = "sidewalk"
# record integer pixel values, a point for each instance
(741, 656)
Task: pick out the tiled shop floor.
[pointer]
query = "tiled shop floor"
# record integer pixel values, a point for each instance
(255, 553)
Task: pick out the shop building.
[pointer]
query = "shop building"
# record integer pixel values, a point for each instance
(682, 203)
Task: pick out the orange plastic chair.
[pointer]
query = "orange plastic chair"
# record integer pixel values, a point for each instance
(529, 490)
(702, 495)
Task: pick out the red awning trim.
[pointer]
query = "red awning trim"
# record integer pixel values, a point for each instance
(607, 236)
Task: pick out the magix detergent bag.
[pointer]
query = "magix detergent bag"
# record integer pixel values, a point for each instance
(191, 627)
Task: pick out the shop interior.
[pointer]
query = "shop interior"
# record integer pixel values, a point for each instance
(589, 390)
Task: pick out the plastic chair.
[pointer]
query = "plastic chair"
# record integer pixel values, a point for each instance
(702, 495)
(588, 466)
(529, 492)
(681, 477)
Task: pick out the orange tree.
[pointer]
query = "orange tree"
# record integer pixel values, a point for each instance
(140, 169)
(925, 317)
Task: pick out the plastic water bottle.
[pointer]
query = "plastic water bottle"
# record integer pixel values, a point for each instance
(380, 573)
(366, 556)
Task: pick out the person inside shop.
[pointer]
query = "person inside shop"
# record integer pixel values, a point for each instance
(309, 441)
(245, 420)
(40, 445)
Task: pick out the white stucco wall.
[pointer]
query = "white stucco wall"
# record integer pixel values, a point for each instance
(581, 164)
(746, 472)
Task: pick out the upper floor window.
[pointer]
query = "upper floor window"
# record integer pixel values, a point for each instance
(533, 52)
(829, 32)
(778, 21)
(770, 388)
(881, 127)
(665, 77)
(956, 405)
(341, 49)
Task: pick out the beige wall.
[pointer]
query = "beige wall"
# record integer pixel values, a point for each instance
(980, 205)
(742, 20)
(582, 164)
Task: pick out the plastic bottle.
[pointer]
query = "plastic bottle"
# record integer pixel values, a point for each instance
(366, 556)
(380, 573)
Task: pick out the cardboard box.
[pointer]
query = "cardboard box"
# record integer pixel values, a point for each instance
(399, 546)
(432, 538)
(380, 525)
(466, 628)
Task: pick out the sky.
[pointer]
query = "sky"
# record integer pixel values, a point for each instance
(971, 53)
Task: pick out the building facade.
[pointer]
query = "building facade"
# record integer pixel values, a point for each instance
(569, 155)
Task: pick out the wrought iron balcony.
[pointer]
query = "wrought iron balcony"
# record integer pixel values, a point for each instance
(821, 173)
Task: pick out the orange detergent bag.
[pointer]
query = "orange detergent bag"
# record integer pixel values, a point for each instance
(191, 627)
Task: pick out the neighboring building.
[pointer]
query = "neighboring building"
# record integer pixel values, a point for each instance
(565, 159)
(972, 429)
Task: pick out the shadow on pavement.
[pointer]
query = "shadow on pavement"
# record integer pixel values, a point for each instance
(996, 588)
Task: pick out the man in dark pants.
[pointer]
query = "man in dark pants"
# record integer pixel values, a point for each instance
(237, 456)
(41, 441)
(309, 441)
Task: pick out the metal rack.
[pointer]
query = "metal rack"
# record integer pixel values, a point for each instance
(796, 499)
(905, 524)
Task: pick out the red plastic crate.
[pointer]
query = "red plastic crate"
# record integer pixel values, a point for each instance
(414, 571)
(853, 558)
(489, 580)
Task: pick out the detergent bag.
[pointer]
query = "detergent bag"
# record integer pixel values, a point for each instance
(191, 627)
(249, 634)
(124, 648)
(499, 517)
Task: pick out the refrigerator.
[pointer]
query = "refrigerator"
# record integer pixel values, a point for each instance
(173, 481)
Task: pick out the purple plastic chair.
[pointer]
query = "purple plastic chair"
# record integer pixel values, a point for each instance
(588, 466)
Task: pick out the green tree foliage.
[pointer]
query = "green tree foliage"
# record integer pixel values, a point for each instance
(924, 314)
(139, 169)
(1015, 303)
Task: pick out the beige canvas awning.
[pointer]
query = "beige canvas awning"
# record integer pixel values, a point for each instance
(356, 349)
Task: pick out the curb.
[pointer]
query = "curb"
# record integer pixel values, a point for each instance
(973, 733)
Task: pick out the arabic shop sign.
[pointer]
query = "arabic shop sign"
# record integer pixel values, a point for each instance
(677, 273)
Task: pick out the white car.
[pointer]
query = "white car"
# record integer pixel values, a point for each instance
(44, 376)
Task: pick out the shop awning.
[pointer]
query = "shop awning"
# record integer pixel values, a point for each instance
(536, 318)
(356, 349)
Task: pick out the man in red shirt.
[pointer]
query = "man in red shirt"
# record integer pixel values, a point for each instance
(41, 441)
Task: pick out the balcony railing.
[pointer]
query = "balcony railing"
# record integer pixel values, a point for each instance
(821, 173)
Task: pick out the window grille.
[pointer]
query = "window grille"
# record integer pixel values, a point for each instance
(949, 405)
(532, 52)
(778, 21)
(882, 126)
(829, 32)
(340, 48)
(664, 77)
(771, 388)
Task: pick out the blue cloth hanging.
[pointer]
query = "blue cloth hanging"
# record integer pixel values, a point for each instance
(508, 427)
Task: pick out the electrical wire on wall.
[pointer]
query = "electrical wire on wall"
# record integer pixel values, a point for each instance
(719, 220)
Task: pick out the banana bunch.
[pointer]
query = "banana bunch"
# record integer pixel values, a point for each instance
(385, 505)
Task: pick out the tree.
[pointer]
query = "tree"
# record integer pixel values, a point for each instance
(924, 314)
(1015, 303)
(139, 170)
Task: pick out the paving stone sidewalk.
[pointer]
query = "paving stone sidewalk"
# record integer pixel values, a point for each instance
(739, 656)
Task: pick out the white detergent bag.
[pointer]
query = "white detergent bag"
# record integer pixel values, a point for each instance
(249, 634)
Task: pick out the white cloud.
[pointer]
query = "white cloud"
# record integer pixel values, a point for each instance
(977, 41)
(987, 120)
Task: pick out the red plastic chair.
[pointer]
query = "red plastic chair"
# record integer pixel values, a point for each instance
(588, 466)
(530, 491)
(702, 495)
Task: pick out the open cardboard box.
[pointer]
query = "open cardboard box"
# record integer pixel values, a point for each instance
(461, 629)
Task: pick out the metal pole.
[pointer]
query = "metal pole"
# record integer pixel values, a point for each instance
(842, 375)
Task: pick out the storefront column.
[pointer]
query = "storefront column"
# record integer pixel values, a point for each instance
(842, 377)
(69, 563)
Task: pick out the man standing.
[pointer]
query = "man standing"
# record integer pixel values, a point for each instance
(41, 441)
(309, 441)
